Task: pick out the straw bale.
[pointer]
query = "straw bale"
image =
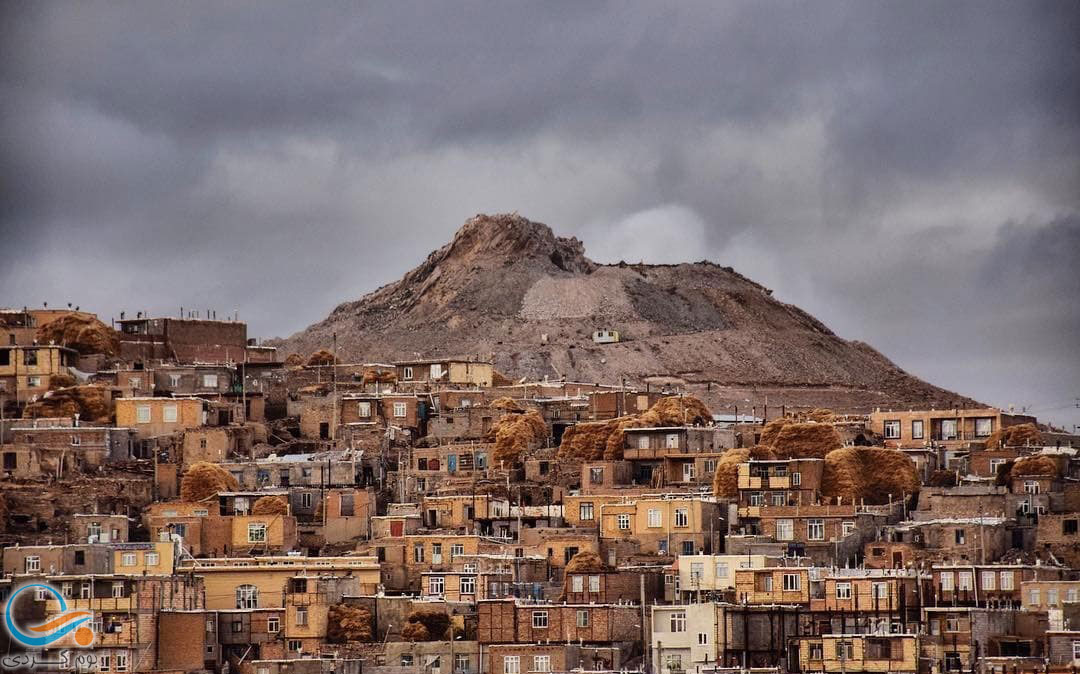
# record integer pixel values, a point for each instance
(294, 360)
(942, 478)
(592, 441)
(85, 334)
(430, 625)
(585, 561)
(1020, 435)
(726, 477)
(92, 403)
(809, 440)
(61, 380)
(271, 505)
(821, 415)
(506, 404)
(772, 429)
(869, 474)
(346, 622)
(321, 357)
(379, 376)
(415, 632)
(516, 434)
(205, 479)
(1036, 464)
(677, 411)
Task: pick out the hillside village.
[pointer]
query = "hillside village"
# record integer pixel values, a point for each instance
(221, 505)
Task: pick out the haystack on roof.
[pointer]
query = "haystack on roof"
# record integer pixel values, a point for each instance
(821, 415)
(321, 357)
(276, 504)
(92, 403)
(773, 428)
(677, 411)
(1020, 435)
(294, 360)
(586, 561)
(809, 440)
(373, 376)
(869, 474)
(592, 441)
(506, 404)
(585, 441)
(83, 333)
(726, 477)
(345, 623)
(204, 480)
(516, 434)
(1036, 464)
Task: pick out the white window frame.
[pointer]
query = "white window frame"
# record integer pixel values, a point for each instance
(400, 410)
(257, 532)
(33, 563)
(273, 624)
(247, 596)
(210, 381)
(623, 521)
(539, 620)
(170, 414)
(363, 408)
(671, 441)
(577, 583)
(792, 582)
(594, 583)
(892, 429)
(843, 590)
(541, 663)
(677, 621)
(682, 517)
(815, 530)
(785, 530)
(436, 585)
(656, 518)
(946, 582)
(142, 414)
(511, 663)
(467, 585)
(407, 373)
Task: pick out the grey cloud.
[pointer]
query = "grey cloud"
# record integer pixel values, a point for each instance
(861, 158)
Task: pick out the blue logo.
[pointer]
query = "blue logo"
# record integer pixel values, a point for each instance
(56, 627)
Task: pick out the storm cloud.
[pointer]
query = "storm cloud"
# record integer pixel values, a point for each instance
(907, 172)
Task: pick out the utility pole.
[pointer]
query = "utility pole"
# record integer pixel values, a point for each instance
(333, 414)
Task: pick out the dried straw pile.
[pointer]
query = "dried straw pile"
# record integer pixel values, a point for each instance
(345, 623)
(425, 625)
(597, 440)
(61, 380)
(379, 376)
(506, 404)
(1020, 435)
(321, 357)
(726, 477)
(772, 429)
(516, 434)
(586, 561)
(821, 415)
(204, 480)
(91, 403)
(1036, 464)
(809, 440)
(294, 360)
(85, 334)
(942, 478)
(868, 474)
(271, 505)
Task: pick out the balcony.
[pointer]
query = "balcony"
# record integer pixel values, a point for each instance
(95, 604)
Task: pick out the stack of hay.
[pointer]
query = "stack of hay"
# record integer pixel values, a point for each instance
(869, 474)
(85, 334)
(726, 477)
(597, 440)
(321, 357)
(515, 434)
(92, 403)
(425, 625)
(1020, 435)
(204, 480)
(271, 505)
(345, 623)
(294, 360)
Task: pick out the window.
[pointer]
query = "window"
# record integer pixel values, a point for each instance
(917, 431)
(892, 429)
(295, 645)
(33, 563)
(1034, 596)
(984, 427)
(121, 661)
(142, 414)
(174, 380)
(363, 409)
(952, 624)
(135, 382)
(796, 479)
(585, 510)
(399, 410)
(623, 520)
(104, 661)
(879, 591)
(815, 530)
(577, 583)
(1070, 594)
(643, 442)
(30, 357)
(996, 464)
(721, 569)
(655, 518)
(418, 553)
(817, 652)
(128, 559)
(237, 626)
(209, 381)
(457, 550)
(407, 373)
(541, 663)
(671, 441)
(435, 585)
(511, 663)
(85, 590)
(1052, 597)
(703, 638)
(301, 617)
(674, 662)
(948, 429)
(847, 527)
(539, 619)
(1006, 580)
(596, 475)
(436, 370)
(65, 590)
(594, 583)
(76, 440)
(461, 663)
(757, 498)
(710, 466)
(247, 596)
(436, 553)
(960, 536)
(677, 621)
(582, 618)
(697, 570)
(468, 585)
(689, 471)
(946, 581)
(778, 498)
(169, 414)
(256, 532)
(1069, 527)
(843, 590)
(785, 530)
(273, 624)
(845, 650)
(964, 581)
(792, 582)
(33, 382)
(1031, 487)
(682, 518)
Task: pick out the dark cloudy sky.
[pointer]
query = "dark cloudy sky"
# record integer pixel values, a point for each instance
(908, 172)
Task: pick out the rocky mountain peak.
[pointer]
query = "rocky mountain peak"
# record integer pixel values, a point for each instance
(505, 238)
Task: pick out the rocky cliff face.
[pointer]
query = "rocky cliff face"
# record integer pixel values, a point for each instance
(509, 288)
